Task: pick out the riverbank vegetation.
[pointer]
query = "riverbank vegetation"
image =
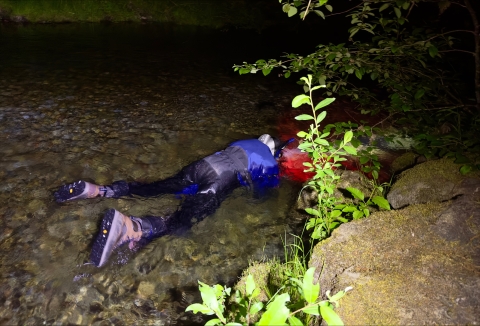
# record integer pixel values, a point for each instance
(399, 60)
(413, 61)
(237, 13)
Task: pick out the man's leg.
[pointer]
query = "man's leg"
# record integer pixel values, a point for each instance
(185, 182)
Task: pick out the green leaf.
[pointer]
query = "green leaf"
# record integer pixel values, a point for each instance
(249, 285)
(433, 51)
(292, 11)
(329, 8)
(312, 211)
(232, 324)
(320, 13)
(357, 193)
(419, 93)
(330, 316)
(255, 293)
(357, 214)
(197, 307)
(310, 290)
(209, 296)
(349, 209)
(256, 307)
(381, 202)
(213, 322)
(322, 2)
(304, 117)
(350, 150)
(277, 312)
(243, 71)
(318, 87)
(465, 169)
(266, 71)
(337, 296)
(324, 103)
(312, 310)
(299, 100)
(383, 7)
(335, 213)
(321, 116)
(294, 321)
(348, 136)
(322, 142)
(364, 159)
(398, 12)
(358, 73)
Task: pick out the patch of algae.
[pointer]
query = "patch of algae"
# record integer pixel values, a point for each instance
(401, 271)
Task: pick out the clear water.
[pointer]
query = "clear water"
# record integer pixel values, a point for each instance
(126, 102)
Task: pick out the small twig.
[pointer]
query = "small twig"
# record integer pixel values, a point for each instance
(459, 4)
(457, 50)
(306, 10)
(449, 32)
(410, 9)
(339, 13)
(439, 108)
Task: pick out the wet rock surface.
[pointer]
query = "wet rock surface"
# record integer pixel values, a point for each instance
(122, 111)
(411, 266)
(432, 181)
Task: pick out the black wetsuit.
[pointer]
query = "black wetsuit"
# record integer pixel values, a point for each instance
(206, 183)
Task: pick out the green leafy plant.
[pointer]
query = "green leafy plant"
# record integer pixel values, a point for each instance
(277, 311)
(326, 157)
(391, 63)
(362, 208)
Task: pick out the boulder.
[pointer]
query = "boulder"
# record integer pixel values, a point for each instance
(431, 181)
(416, 265)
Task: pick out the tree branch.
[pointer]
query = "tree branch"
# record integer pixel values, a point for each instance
(306, 10)
(457, 50)
(343, 12)
(454, 31)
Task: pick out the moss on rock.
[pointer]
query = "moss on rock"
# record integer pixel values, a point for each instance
(432, 181)
(402, 271)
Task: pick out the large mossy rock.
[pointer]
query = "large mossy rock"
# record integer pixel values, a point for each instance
(432, 181)
(416, 265)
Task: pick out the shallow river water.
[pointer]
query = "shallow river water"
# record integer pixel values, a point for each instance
(125, 102)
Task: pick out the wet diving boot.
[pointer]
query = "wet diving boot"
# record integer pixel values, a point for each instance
(117, 229)
(83, 190)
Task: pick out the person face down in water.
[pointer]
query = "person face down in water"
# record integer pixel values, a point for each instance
(205, 184)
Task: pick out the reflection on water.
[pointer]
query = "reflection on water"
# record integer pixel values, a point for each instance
(106, 103)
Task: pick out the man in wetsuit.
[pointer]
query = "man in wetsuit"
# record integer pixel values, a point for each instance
(205, 184)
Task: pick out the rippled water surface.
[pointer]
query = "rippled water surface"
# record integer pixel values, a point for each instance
(125, 102)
